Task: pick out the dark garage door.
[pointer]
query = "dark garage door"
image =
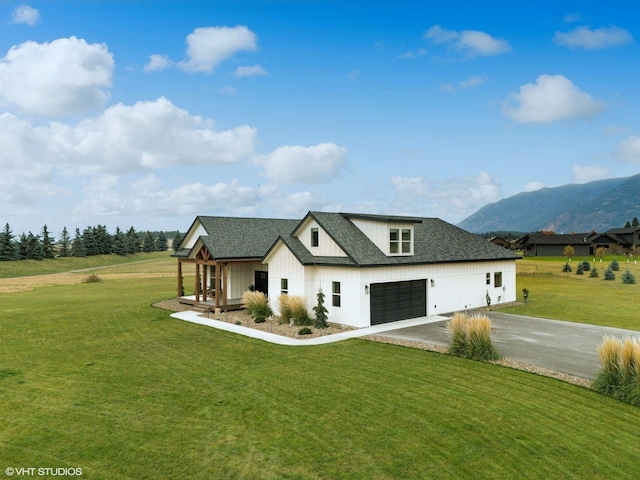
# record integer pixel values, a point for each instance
(395, 301)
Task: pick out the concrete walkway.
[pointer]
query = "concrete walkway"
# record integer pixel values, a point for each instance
(566, 347)
(195, 317)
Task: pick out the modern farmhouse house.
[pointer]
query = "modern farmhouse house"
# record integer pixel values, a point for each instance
(372, 268)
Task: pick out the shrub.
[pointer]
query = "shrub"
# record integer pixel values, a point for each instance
(471, 337)
(566, 268)
(298, 309)
(615, 266)
(256, 303)
(620, 374)
(321, 312)
(608, 274)
(579, 269)
(594, 273)
(305, 331)
(628, 277)
(283, 306)
(93, 278)
(586, 266)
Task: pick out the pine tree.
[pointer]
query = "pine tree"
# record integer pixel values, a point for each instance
(628, 277)
(627, 225)
(77, 247)
(119, 243)
(23, 246)
(34, 247)
(89, 240)
(148, 244)
(161, 242)
(133, 241)
(177, 240)
(103, 240)
(64, 244)
(634, 222)
(7, 245)
(608, 274)
(321, 312)
(47, 245)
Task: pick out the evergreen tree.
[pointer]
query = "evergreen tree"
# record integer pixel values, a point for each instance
(23, 247)
(161, 242)
(104, 241)
(7, 245)
(148, 244)
(64, 244)
(119, 243)
(47, 245)
(608, 274)
(321, 312)
(77, 247)
(628, 277)
(177, 240)
(89, 240)
(627, 225)
(615, 266)
(634, 222)
(133, 241)
(594, 273)
(34, 247)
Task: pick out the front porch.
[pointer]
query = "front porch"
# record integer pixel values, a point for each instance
(209, 305)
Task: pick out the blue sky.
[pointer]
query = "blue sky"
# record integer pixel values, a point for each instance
(148, 113)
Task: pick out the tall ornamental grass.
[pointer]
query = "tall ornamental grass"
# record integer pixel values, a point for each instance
(299, 312)
(256, 303)
(620, 374)
(471, 337)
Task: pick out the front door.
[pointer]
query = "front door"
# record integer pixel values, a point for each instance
(262, 282)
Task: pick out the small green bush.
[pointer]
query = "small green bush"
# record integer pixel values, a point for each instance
(615, 266)
(608, 274)
(586, 266)
(628, 277)
(305, 331)
(567, 268)
(594, 273)
(580, 269)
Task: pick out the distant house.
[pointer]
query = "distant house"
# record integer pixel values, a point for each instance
(501, 242)
(545, 245)
(618, 240)
(372, 268)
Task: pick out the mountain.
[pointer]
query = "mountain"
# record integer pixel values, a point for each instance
(583, 207)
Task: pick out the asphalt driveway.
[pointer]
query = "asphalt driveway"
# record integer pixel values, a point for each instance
(562, 346)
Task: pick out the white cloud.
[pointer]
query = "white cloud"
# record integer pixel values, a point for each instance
(208, 47)
(584, 37)
(629, 150)
(65, 77)
(471, 42)
(227, 90)
(453, 199)
(472, 81)
(589, 173)
(250, 71)
(551, 98)
(157, 63)
(311, 165)
(25, 14)
(533, 186)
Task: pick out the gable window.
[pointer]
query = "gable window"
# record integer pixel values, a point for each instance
(314, 237)
(488, 278)
(399, 240)
(497, 279)
(335, 294)
(284, 286)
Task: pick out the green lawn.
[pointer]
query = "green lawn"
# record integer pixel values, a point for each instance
(578, 298)
(93, 377)
(67, 264)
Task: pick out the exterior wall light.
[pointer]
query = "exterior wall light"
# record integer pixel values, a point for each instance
(433, 282)
(366, 289)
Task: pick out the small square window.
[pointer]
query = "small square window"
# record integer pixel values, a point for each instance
(497, 279)
(284, 286)
(394, 240)
(335, 294)
(406, 240)
(314, 237)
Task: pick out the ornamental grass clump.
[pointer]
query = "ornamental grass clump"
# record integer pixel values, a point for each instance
(620, 374)
(256, 303)
(283, 307)
(471, 337)
(298, 309)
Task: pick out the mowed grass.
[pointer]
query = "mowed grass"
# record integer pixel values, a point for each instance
(578, 298)
(93, 377)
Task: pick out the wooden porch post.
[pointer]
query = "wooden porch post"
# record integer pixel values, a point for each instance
(180, 289)
(216, 288)
(224, 284)
(197, 282)
(204, 283)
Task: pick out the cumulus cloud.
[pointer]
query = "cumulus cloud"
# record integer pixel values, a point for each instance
(249, 71)
(64, 77)
(25, 14)
(551, 98)
(157, 63)
(311, 165)
(452, 199)
(629, 150)
(589, 173)
(209, 46)
(470, 42)
(585, 37)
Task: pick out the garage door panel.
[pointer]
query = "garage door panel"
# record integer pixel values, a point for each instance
(395, 301)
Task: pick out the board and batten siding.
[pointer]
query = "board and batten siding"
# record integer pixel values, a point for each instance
(378, 232)
(326, 246)
(191, 237)
(283, 264)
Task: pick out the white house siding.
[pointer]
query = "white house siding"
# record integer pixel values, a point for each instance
(283, 264)
(191, 237)
(378, 232)
(240, 276)
(326, 246)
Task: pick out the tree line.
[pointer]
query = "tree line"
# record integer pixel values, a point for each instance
(93, 240)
